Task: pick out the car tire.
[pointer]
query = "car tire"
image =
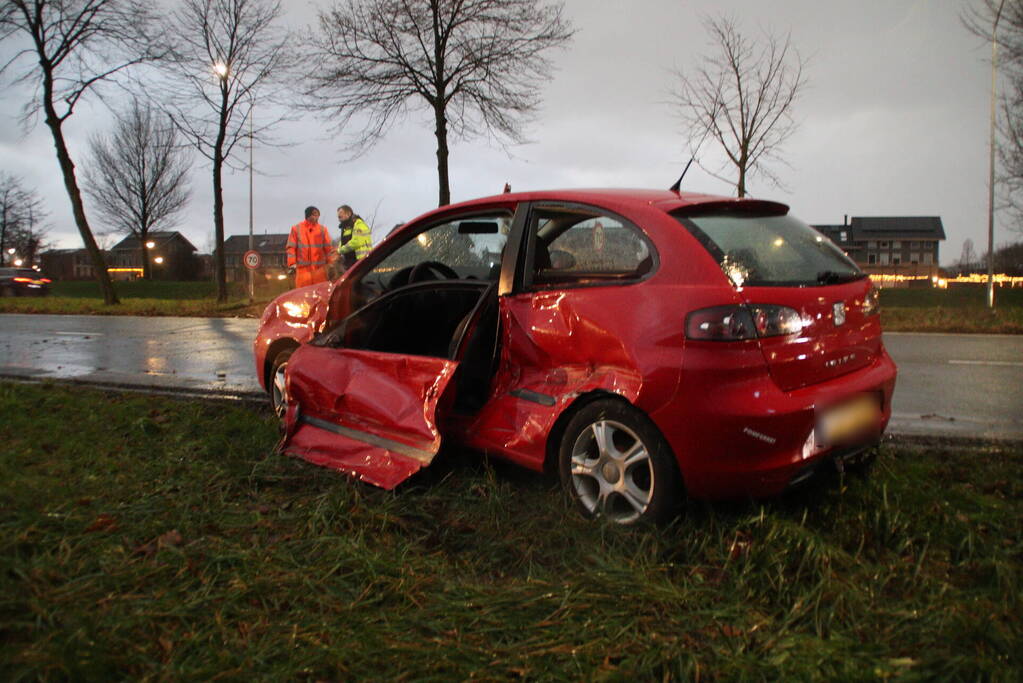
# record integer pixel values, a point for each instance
(614, 463)
(275, 385)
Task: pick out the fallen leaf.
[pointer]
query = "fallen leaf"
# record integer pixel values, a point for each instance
(102, 523)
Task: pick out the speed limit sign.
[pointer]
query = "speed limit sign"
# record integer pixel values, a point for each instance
(252, 259)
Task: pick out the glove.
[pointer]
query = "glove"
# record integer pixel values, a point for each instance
(291, 270)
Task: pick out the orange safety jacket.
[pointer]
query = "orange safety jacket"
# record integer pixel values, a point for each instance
(308, 251)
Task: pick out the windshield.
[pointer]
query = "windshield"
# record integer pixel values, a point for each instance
(758, 250)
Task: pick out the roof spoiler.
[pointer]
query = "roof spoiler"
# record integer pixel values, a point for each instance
(745, 207)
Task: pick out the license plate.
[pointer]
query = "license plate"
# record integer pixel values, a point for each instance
(848, 421)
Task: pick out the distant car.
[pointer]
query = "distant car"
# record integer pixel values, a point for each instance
(23, 282)
(646, 345)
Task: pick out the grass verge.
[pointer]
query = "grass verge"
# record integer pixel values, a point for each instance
(147, 298)
(145, 537)
(958, 310)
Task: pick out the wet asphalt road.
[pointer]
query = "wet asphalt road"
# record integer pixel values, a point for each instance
(949, 385)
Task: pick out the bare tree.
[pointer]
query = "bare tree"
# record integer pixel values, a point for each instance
(968, 256)
(981, 19)
(68, 48)
(741, 96)
(22, 221)
(475, 64)
(137, 177)
(225, 51)
(12, 202)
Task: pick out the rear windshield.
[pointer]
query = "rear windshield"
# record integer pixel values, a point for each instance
(758, 250)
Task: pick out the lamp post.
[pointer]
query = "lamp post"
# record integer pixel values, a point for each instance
(252, 274)
(991, 166)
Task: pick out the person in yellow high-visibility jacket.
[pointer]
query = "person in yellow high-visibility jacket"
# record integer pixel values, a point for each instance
(356, 237)
(309, 250)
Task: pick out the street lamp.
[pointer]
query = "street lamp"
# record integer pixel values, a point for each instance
(991, 167)
(252, 274)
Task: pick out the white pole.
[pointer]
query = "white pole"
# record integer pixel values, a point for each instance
(252, 274)
(991, 167)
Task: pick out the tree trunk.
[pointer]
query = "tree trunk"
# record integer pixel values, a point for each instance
(67, 168)
(218, 227)
(442, 154)
(3, 235)
(146, 267)
(219, 263)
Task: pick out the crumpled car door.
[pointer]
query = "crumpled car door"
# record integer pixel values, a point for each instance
(367, 413)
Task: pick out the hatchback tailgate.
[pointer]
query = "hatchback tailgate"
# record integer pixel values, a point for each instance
(839, 334)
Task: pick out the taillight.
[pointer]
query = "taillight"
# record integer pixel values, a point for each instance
(776, 321)
(22, 279)
(872, 302)
(720, 323)
(736, 323)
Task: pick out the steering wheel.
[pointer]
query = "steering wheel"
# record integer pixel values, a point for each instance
(428, 270)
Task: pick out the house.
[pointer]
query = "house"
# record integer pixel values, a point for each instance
(68, 264)
(903, 247)
(271, 247)
(171, 256)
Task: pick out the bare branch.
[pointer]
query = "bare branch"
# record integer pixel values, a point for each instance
(137, 175)
(474, 64)
(66, 49)
(227, 54)
(23, 221)
(742, 96)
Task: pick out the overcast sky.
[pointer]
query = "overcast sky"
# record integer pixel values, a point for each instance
(894, 122)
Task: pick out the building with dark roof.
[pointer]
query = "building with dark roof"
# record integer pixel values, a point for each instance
(68, 264)
(171, 256)
(893, 245)
(272, 249)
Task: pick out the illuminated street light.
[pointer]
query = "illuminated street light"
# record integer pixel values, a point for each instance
(150, 244)
(18, 262)
(11, 251)
(220, 68)
(158, 259)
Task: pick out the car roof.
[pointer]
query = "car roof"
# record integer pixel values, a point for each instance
(665, 200)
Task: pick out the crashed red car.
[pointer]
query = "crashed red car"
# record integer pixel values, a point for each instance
(647, 345)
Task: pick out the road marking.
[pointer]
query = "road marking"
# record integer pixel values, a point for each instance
(81, 334)
(1010, 363)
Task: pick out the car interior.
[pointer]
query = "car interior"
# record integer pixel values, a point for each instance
(436, 293)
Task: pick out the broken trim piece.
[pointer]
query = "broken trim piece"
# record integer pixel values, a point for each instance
(534, 397)
(423, 456)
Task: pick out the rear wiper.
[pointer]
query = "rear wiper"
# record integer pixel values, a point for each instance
(831, 277)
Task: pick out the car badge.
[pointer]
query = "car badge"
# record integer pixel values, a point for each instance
(839, 311)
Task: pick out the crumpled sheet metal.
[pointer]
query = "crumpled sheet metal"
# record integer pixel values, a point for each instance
(561, 347)
(366, 413)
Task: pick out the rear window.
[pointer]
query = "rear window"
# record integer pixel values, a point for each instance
(771, 250)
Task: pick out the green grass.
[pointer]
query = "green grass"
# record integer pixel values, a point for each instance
(959, 309)
(150, 538)
(141, 289)
(147, 297)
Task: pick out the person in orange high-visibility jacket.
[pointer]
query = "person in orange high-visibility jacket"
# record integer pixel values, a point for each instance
(309, 250)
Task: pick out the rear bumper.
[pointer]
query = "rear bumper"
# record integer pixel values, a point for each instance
(748, 438)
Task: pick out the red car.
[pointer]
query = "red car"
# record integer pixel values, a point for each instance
(646, 344)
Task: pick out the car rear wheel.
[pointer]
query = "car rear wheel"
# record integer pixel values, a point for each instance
(278, 395)
(615, 464)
